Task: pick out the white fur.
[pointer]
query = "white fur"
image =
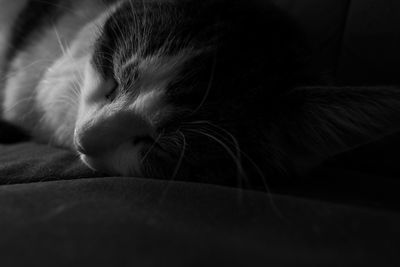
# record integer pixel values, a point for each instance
(40, 60)
(58, 93)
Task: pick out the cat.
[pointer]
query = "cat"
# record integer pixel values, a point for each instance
(201, 90)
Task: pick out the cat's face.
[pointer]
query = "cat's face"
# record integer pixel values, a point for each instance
(167, 91)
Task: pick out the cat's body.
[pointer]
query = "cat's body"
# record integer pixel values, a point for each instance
(179, 89)
(47, 32)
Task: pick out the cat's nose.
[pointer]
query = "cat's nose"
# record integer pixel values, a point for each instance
(102, 135)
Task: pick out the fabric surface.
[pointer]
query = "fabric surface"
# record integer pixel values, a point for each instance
(144, 222)
(54, 211)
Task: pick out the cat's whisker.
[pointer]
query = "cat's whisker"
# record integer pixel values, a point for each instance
(210, 82)
(231, 140)
(12, 73)
(63, 49)
(238, 164)
(231, 136)
(240, 173)
(134, 22)
(235, 143)
(118, 28)
(206, 125)
(19, 102)
(266, 187)
(66, 52)
(107, 60)
(151, 148)
(255, 166)
(70, 98)
(104, 53)
(143, 24)
(76, 155)
(182, 154)
(248, 158)
(76, 87)
(63, 101)
(177, 167)
(75, 92)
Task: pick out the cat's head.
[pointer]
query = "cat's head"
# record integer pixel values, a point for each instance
(176, 90)
(192, 91)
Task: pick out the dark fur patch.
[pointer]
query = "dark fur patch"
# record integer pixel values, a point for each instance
(11, 134)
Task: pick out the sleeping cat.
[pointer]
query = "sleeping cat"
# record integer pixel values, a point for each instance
(202, 90)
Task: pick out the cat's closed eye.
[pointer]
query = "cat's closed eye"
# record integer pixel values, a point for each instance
(112, 87)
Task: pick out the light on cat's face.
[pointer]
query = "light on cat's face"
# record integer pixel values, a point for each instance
(117, 124)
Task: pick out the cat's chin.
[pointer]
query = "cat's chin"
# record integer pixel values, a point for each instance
(111, 164)
(92, 164)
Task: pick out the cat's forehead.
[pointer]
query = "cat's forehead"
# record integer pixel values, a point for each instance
(150, 40)
(149, 28)
(155, 69)
(146, 28)
(159, 63)
(133, 34)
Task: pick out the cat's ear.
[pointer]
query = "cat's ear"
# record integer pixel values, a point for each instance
(315, 123)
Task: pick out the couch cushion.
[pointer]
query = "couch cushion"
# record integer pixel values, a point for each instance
(29, 162)
(145, 222)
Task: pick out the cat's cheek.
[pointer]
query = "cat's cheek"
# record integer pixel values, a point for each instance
(94, 87)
